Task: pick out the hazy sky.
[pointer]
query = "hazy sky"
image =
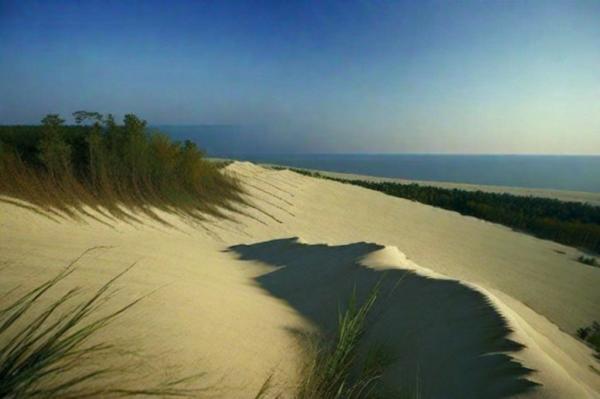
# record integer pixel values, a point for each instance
(365, 76)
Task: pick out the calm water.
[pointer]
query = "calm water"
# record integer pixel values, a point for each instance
(579, 173)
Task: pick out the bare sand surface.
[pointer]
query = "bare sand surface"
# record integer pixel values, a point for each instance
(469, 309)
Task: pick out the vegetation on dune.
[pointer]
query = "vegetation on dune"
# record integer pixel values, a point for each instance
(588, 260)
(334, 370)
(100, 163)
(220, 164)
(51, 348)
(568, 223)
(591, 335)
(46, 350)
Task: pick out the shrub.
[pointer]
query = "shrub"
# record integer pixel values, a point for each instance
(588, 260)
(591, 335)
(105, 165)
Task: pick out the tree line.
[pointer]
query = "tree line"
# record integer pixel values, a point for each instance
(100, 162)
(570, 223)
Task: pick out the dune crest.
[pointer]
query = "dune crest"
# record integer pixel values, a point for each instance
(558, 362)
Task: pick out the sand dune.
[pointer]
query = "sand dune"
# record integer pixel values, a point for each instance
(425, 324)
(480, 310)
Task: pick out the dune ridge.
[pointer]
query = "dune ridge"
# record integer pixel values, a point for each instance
(464, 320)
(560, 374)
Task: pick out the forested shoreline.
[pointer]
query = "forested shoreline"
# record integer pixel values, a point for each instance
(570, 223)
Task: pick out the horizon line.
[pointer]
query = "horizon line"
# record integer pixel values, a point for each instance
(413, 153)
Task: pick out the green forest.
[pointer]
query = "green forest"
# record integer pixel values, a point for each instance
(570, 223)
(103, 164)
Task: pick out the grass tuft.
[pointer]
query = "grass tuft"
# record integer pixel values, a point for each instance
(334, 370)
(588, 260)
(591, 335)
(45, 351)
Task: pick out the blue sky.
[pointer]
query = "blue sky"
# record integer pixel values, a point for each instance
(322, 76)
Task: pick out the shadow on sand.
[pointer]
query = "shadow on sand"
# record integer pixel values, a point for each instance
(446, 338)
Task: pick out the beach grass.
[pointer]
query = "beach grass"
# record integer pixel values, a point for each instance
(334, 369)
(591, 335)
(588, 260)
(46, 349)
(50, 350)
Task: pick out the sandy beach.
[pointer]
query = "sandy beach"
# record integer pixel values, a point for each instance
(479, 310)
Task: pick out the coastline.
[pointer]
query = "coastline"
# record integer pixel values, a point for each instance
(561, 195)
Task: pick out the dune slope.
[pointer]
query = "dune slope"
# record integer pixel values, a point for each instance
(480, 311)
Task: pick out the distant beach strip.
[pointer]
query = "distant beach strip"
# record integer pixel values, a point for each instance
(553, 172)
(592, 198)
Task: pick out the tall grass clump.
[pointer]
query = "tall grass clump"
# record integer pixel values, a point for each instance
(45, 350)
(335, 369)
(591, 335)
(102, 164)
(588, 260)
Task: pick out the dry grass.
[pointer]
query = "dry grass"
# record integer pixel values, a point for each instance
(588, 260)
(113, 167)
(46, 350)
(591, 335)
(49, 349)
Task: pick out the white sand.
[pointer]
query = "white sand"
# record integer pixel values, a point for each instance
(229, 294)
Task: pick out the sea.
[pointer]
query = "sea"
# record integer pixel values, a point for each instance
(573, 173)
